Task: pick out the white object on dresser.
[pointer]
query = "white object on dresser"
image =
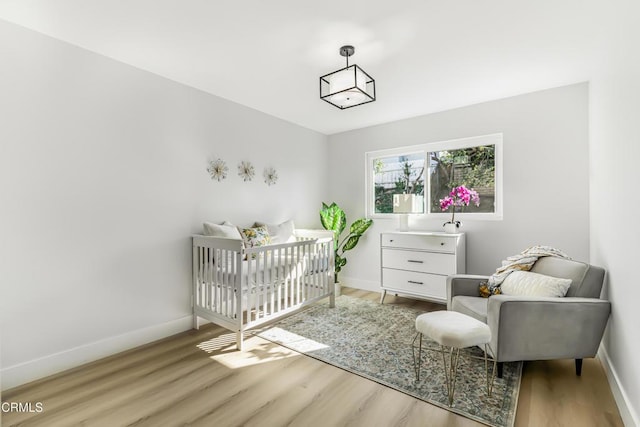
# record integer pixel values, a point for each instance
(418, 263)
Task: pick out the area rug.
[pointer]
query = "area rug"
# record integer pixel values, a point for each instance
(375, 342)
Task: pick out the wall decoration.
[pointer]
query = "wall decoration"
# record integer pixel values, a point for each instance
(246, 171)
(218, 169)
(270, 176)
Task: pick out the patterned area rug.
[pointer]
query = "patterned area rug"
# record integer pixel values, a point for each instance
(374, 341)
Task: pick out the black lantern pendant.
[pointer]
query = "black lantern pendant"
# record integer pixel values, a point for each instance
(347, 87)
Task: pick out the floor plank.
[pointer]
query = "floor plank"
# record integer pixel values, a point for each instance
(197, 378)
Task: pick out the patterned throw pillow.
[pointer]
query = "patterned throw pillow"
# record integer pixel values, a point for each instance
(255, 237)
(280, 233)
(486, 291)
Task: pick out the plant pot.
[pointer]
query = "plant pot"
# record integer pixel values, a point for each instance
(451, 227)
(337, 290)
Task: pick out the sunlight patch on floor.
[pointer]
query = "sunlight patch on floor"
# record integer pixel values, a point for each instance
(257, 350)
(222, 342)
(292, 340)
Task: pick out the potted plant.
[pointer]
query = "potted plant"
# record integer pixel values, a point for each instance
(334, 219)
(459, 196)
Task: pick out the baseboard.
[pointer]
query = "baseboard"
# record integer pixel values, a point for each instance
(627, 412)
(13, 376)
(365, 285)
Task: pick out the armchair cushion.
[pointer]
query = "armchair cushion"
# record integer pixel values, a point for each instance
(526, 283)
(471, 306)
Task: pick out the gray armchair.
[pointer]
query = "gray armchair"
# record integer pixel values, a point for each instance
(534, 328)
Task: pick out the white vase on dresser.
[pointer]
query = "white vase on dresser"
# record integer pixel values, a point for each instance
(417, 263)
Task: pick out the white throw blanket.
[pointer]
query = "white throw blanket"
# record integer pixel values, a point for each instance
(523, 261)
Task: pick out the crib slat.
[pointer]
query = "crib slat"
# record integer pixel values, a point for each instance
(217, 283)
(224, 280)
(325, 266)
(203, 276)
(296, 282)
(287, 278)
(221, 271)
(239, 286)
(259, 281)
(228, 283)
(279, 269)
(301, 269)
(247, 285)
(273, 279)
(316, 272)
(199, 275)
(236, 288)
(206, 301)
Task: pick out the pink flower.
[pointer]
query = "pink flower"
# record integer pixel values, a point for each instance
(446, 202)
(459, 196)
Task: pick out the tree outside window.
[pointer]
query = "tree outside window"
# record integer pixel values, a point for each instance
(402, 174)
(472, 167)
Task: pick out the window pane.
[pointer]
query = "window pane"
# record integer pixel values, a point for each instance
(399, 174)
(472, 167)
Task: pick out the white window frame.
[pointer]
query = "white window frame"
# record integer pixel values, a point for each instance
(454, 144)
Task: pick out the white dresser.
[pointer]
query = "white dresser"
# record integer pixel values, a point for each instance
(418, 263)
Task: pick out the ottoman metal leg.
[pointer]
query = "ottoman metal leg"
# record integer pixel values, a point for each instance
(493, 371)
(450, 371)
(417, 361)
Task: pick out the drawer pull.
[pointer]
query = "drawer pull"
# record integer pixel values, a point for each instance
(415, 261)
(415, 283)
(441, 243)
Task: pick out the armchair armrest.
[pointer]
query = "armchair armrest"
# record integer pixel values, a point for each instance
(463, 284)
(528, 328)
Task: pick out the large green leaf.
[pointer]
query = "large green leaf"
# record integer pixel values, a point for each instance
(333, 218)
(360, 226)
(340, 262)
(351, 242)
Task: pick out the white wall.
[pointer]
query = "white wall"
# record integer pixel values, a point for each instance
(102, 181)
(615, 177)
(546, 177)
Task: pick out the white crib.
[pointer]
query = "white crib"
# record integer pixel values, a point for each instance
(241, 289)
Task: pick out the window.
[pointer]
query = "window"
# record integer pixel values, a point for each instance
(430, 171)
(397, 174)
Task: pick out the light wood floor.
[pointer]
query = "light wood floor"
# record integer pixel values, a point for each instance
(197, 378)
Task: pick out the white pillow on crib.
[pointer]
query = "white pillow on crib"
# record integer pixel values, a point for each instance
(280, 233)
(226, 229)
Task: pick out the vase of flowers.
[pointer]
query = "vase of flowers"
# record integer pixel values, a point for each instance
(458, 197)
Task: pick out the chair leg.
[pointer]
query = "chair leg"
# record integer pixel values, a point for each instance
(579, 367)
(500, 369)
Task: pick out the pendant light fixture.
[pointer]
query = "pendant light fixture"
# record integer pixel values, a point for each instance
(347, 87)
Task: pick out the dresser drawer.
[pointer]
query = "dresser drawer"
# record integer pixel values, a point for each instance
(425, 262)
(423, 284)
(436, 243)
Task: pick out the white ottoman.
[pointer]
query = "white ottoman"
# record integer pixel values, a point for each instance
(454, 330)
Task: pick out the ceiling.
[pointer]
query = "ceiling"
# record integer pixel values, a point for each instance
(426, 56)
